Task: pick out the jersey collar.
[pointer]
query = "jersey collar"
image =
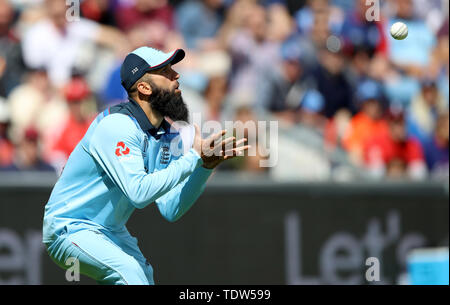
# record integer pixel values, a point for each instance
(143, 121)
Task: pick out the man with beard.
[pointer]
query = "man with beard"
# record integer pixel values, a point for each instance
(128, 159)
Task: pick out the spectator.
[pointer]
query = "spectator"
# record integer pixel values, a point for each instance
(436, 149)
(286, 88)
(64, 41)
(251, 53)
(305, 17)
(395, 155)
(280, 24)
(335, 130)
(399, 87)
(101, 11)
(6, 146)
(216, 66)
(235, 18)
(77, 94)
(359, 33)
(11, 63)
(433, 12)
(413, 54)
(315, 38)
(198, 21)
(129, 14)
(424, 111)
(276, 83)
(332, 82)
(34, 102)
(441, 60)
(311, 108)
(363, 41)
(367, 122)
(358, 69)
(28, 156)
(345, 5)
(251, 163)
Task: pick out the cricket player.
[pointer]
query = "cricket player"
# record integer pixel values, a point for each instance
(127, 161)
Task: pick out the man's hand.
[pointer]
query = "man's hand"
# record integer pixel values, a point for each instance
(213, 151)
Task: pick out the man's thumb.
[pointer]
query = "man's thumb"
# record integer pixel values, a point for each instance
(197, 130)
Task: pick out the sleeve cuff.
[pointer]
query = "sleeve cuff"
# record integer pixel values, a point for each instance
(197, 157)
(202, 174)
(206, 171)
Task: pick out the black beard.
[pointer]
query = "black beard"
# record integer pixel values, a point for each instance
(169, 103)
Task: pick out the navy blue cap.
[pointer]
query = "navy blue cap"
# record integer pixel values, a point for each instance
(143, 60)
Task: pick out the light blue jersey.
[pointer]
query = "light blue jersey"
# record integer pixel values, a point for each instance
(123, 163)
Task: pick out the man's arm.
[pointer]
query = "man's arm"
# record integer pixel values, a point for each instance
(124, 164)
(178, 201)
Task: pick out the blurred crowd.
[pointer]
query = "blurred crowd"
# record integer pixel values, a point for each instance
(319, 64)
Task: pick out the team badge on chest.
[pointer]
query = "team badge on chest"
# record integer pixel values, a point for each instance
(165, 154)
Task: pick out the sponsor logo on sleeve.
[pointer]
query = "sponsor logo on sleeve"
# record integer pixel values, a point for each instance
(122, 149)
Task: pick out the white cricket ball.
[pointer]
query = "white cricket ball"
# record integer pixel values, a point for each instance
(399, 31)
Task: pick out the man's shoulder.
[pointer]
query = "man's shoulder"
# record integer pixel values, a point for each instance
(110, 130)
(117, 123)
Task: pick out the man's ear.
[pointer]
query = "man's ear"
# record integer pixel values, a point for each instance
(144, 88)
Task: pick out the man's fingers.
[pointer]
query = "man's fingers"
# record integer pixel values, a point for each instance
(224, 143)
(223, 147)
(197, 130)
(211, 140)
(235, 152)
(237, 149)
(228, 140)
(242, 148)
(240, 142)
